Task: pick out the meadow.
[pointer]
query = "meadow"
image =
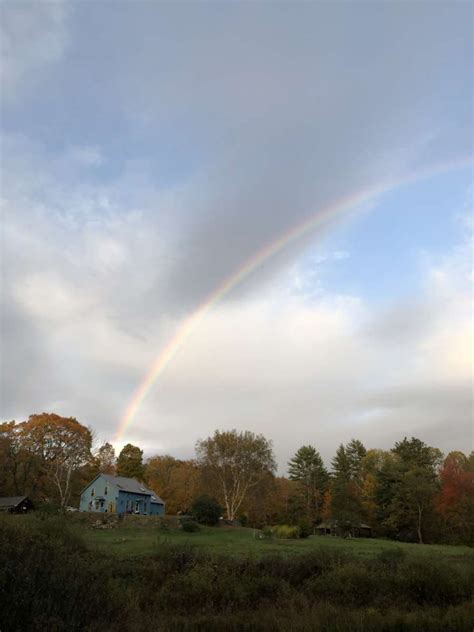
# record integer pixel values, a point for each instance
(60, 574)
(129, 540)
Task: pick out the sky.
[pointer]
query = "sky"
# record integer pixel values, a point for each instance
(150, 150)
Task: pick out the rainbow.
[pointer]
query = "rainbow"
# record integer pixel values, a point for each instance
(330, 213)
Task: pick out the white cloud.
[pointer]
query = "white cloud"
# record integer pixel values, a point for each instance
(179, 151)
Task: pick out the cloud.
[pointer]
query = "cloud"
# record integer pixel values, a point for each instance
(33, 36)
(150, 164)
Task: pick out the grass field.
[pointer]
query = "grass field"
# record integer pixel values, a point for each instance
(130, 541)
(137, 576)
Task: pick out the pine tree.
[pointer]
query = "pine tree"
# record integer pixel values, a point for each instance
(355, 453)
(307, 468)
(346, 502)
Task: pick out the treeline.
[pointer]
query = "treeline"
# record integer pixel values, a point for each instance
(411, 492)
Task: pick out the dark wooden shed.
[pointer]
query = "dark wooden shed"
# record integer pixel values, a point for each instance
(16, 504)
(356, 530)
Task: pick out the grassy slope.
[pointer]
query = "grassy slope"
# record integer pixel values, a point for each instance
(126, 541)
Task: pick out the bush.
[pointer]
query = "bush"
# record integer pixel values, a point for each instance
(305, 528)
(190, 526)
(267, 531)
(285, 532)
(206, 510)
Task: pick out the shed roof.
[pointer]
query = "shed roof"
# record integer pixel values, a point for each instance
(334, 523)
(132, 486)
(11, 501)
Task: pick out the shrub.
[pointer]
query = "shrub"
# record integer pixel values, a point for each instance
(391, 558)
(305, 528)
(427, 581)
(190, 526)
(285, 532)
(67, 587)
(267, 531)
(206, 510)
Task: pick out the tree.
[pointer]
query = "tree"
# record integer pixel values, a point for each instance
(355, 453)
(130, 462)
(407, 488)
(105, 459)
(371, 465)
(234, 462)
(61, 444)
(177, 481)
(455, 501)
(346, 500)
(206, 510)
(307, 468)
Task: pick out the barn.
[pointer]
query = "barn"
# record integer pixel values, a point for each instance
(16, 504)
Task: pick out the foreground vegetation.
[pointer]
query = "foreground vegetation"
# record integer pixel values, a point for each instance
(51, 580)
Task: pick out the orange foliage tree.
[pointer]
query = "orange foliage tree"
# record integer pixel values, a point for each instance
(455, 502)
(177, 482)
(61, 444)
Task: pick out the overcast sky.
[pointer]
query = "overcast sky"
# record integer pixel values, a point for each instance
(149, 150)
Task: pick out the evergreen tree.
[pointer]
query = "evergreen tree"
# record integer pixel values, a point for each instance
(355, 453)
(346, 502)
(407, 487)
(307, 468)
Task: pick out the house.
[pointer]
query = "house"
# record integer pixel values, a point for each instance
(16, 504)
(356, 530)
(118, 494)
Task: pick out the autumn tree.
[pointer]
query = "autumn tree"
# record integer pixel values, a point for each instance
(61, 444)
(177, 481)
(371, 465)
(15, 462)
(233, 463)
(130, 462)
(105, 459)
(455, 501)
(270, 502)
(307, 468)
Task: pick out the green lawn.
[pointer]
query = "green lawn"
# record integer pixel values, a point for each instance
(130, 540)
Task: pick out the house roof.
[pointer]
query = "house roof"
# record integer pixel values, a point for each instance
(132, 486)
(11, 501)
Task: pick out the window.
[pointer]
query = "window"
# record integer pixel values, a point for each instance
(92, 492)
(106, 490)
(137, 506)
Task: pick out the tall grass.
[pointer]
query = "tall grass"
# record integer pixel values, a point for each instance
(50, 581)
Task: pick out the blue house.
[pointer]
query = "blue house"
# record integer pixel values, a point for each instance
(118, 494)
